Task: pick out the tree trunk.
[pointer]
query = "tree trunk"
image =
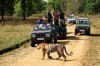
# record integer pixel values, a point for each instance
(2, 10)
(23, 9)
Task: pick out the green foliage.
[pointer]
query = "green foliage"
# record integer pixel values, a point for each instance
(32, 7)
(17, 8)
(9, 7)
(97, 6)
(0, 7)
(81, 6)
(56, 4)
(14, 7)
(89, 6)
(72, 5)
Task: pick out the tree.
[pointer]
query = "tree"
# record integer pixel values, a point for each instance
(23, 9)
(9, 7)
(6, 7)
(54, 4)
(31, 7)
(2, 9)
(63, 5)
(81, 6)
(17, 8)
(89, 6)
(96, 8)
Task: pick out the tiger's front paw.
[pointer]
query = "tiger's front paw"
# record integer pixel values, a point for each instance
(50, 57)
(65, 60)
(57, 58)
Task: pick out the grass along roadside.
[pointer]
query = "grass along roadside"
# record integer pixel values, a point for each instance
(12, 33)
(92, 58)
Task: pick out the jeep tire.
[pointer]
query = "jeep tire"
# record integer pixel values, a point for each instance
(65, 36)
(88, 33)
(55, 40)
(75, 33)
(33, 43)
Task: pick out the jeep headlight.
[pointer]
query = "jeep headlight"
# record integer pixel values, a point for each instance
(47, 34)
(33, 35)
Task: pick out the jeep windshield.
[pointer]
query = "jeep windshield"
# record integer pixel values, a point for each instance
(39, 27)
(83, 22)
(71, 17)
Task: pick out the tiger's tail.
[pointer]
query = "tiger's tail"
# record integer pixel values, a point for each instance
(69, 54)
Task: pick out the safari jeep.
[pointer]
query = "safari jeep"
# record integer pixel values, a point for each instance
(83, 26)
(43, 32)
(71, 20)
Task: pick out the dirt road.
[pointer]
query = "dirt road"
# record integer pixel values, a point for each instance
(32, 57)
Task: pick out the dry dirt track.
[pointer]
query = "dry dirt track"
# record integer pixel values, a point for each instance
(32, 57)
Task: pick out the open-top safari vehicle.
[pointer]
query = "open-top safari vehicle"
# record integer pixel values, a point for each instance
(43, 32)
(83, 26)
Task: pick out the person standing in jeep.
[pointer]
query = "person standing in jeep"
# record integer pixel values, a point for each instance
(62, 17)
(56, 17)
(49, 17)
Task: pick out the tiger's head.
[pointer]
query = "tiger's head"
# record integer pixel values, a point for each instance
(41, 46)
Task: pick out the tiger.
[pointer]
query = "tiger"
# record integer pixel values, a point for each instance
(59, 48)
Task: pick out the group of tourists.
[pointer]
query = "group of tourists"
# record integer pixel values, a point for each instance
(57, 18)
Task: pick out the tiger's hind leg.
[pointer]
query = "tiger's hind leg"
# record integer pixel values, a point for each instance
(59, 55)
(64, 56)
(48, 54)
(43, 55)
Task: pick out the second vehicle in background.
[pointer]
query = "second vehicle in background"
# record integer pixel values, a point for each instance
(82, 26)
(71, 20)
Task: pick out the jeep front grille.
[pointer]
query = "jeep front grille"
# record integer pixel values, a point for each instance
(82, 28)
(40, 35)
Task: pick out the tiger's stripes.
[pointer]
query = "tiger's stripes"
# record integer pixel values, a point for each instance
(59, 48)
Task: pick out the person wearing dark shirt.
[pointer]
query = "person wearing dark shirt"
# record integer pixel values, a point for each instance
(62, 18)
(49, 17)
(56, 18)
(39, 20)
